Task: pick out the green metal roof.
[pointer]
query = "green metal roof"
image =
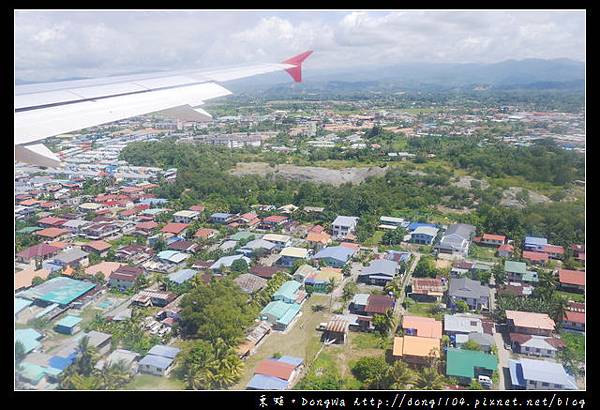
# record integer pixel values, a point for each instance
(288, 290)
(530, 277)
(517, 267)
(239, 236)
(278, 309)
(29, 229)
(32, 372)
(290, 314)
(28, 337)
(69, 321)
(462, 362)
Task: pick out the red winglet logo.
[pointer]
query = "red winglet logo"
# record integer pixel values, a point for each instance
(296, 72)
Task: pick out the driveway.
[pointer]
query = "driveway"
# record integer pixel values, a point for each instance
(503, 357)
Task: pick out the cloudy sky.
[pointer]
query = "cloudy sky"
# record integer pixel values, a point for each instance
(61, 44)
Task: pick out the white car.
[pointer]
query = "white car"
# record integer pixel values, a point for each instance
(485, 381)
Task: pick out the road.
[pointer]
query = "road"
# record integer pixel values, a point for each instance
(503, 357)
(405, 280)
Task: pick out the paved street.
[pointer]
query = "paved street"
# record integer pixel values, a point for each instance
(503, 357)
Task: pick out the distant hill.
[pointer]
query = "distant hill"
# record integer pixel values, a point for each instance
(530, 73)
(509, 74)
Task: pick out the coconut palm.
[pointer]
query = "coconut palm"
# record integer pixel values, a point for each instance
(394, 286)
(400, 376)
(430, 379)
(85, 357)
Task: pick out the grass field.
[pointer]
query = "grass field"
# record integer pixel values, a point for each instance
(485, 253)
(302, 340)
(576, 297)
(375, 239)
(423, 309)
(149, 382)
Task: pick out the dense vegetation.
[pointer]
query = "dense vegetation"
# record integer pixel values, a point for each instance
(202, 176)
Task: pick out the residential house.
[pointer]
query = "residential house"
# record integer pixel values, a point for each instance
(134, 254)
(424, 235)
(280, 314)
(250, 283)
(206, 233)
(145, 228)
(379, 304)
(533, 345)
(554, 251)
(247, 220)
(257, 246)
(101, 230)
(318, 240)
(574, 319)
(456, 240)
(517, 272)
(39, 252)
(534, 244)
(69, 325)
(159, 360)
(225, 262)
(529, 323)
(421, 327)
(106, 268)
(571, 280)
(281, 241)
(466, 365)
(359, 303)
(336, 330)
(276, 374)
(391, 223)
(182, 275)
(290, 292)
(335, 256)
(342, 226)
(266, 272)
(428, 289)
(24, 278)
(73, 257)
(100, 248)
(537, 258)
(505, 251)
(288, 256)
(472, 292)
(272, 222)
(460, 326)
(319, 281)
(172, 228)
(514, 289)
(530, 374)
(168, 261)
(53, 233)
(125, 276)
(183, 246)
(51, 222)
(379, 272)
(303, 272)
(153, 298)
(415, 350)
(221, 218)
(492, 239)
(185, 216)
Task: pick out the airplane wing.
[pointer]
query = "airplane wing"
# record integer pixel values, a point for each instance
(48, 109)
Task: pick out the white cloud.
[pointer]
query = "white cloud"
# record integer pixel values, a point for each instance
(50, 44)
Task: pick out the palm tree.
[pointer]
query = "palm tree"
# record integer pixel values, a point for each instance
(430, 379)
(85, 356)
(386, 322)
(559, 306)
(394, 286)
(400, 375)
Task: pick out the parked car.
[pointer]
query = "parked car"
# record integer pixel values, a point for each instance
(485, 382)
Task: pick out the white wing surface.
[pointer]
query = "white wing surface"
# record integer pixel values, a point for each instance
(45, 110)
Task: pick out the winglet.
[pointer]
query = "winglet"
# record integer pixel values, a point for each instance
(296, 72)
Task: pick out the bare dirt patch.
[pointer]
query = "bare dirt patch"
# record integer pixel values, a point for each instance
(509, 198)
(314, 174)
(465, 182)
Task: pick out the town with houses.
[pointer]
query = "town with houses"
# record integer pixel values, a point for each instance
(88, 263)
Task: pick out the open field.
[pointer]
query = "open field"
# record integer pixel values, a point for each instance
(314, 174)
(149, 382)
(302, 340)
(486, 253)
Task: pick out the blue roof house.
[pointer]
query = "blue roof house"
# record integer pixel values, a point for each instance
(69, 325)
(158, 361)
(288, 292)
(334, 256)
(29, 338)
(536, 244)
(529, 374)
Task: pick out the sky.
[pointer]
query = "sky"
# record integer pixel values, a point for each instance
(52, 45)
